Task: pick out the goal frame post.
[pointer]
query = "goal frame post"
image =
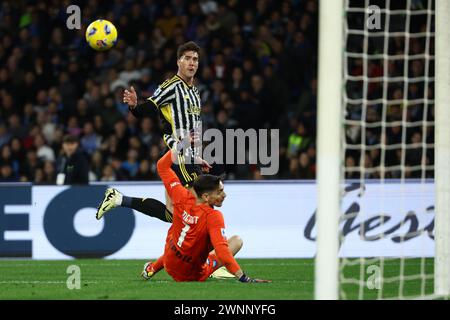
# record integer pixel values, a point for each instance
(442, 149)
(329, 145)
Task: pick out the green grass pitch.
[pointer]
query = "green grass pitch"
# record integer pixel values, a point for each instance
(293, 279)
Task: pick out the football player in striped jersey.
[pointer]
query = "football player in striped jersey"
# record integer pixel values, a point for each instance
(178, 104)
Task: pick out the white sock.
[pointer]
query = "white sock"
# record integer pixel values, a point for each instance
(118, 201)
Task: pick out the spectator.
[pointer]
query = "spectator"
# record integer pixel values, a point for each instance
(6, 158)
(109, 114)
(29, 116)
(129, 74)
(147, 136)
(83, 112)
(258, 69)
(44, 152)
(47, 127)
(16, 129)
(158, 39)
(167, 22)
(100, 128)
(73, 167)
(49, 172)
(305, 169)
(119, 172)
(227, 19)
(131, 165)
(294, 172)
(247, 111)
(110, 148)
(31, 164)
(18, 153)
(8, 107)
(298, 141)
(144, 173)
(155, 154)
(352, 171)
(413, 157)
(73, 127)
(90, 141)
(208, 6)
(7, 174)
(122, 134)
(5, 136)
(39, 176)
(108, 174)
(136, 144)
(97, 164)
(236, 84)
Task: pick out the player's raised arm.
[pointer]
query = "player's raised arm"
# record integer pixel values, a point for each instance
(171, 182)
(130, 98)
(138, 110)
(216, 227)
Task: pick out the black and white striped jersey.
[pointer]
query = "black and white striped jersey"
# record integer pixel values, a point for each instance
(179, 106)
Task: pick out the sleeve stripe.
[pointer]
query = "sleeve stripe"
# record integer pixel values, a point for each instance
(153, 101)
(179, 164)
(169, 140)
(183, 169)
(169, 82)
(163, 97)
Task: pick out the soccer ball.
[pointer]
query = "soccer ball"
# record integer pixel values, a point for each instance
(101, 35)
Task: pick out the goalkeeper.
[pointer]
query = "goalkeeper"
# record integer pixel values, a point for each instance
(178, 103)
(196, 229)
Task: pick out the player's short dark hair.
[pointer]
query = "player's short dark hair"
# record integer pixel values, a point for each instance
(206, 183)
(188, 46)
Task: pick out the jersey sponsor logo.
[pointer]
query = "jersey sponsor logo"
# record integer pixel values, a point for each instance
(193, 110)
(173, 184)
(179, 254)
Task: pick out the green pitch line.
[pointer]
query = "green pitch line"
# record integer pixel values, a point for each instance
(407, 279)
(119, 279)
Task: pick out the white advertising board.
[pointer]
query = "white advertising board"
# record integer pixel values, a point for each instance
(275, 220)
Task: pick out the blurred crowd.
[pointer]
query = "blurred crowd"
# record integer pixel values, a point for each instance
(389, 130)
(258, 69)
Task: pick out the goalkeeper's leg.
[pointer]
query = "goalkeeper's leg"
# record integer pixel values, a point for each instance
(151, 268)
(219, 271)
(148, 206)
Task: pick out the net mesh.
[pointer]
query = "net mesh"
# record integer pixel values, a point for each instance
(386, 233)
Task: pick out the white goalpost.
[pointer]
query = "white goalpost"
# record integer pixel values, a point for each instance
(442, 171)
(383, 150)
(328, 147)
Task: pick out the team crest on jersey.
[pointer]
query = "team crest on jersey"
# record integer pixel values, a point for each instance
(157, 91)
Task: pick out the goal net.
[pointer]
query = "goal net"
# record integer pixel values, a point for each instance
(387, 191)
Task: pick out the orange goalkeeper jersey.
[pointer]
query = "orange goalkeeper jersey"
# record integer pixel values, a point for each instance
(196, 230)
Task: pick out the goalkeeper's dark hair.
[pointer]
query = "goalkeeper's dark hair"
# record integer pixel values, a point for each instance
(188, 46)
(206, 183)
